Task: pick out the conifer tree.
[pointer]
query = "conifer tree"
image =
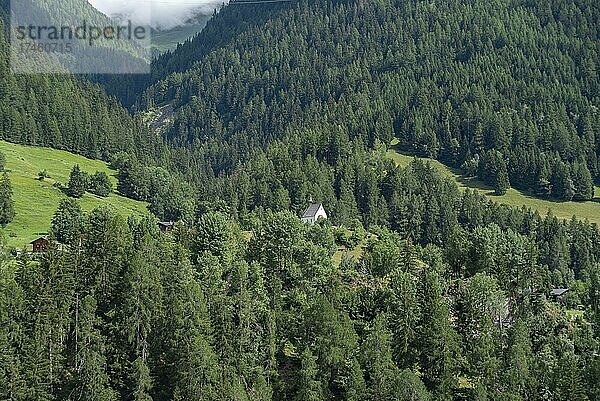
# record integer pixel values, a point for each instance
(543, 186)
(48, 287)
(78, 182)
(563, 187)
(381, 374)
(346, 208)
(91, 377)
(436, 338)
(139, 374)
(411, 388)
(213, 234)
(104, 245)
(261, 390)
(100, 184)
(594, 296)
(142, 297)
(12, 383)
(309, 387)
(196, 374)
(480, 308)
(335, 346)
(517, 374)
(67, 222)
(404, 315)
(7, 207)
(501, 183)
(569, 384)
(582, 181)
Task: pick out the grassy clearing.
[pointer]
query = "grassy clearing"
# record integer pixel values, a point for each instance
(36, 201)
(357, 252)
(564, 210)
(574, 314)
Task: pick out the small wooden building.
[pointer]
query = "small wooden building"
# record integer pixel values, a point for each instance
(166, 226)
(40, 245)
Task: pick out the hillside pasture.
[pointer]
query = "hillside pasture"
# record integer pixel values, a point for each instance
(36, 200)
(564, 210)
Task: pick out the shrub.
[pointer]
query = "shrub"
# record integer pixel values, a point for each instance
(42, 175)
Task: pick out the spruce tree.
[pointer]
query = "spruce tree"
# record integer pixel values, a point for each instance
(411, 388)
(480, 308)
(517, 377)
(48, 287)
(67, 222)
(78, 182)
(7, 206)
(501, 181)
(213, 234)
(381, 374)
(12, 303)
(436, 338)
(100, 184)
(582, 181)
(195, 375)
(594, 297)
(142, 297)
(569, 384)
(563, 187)
(543, 186)
(91, 376)
(309, 387)
(335, 346)
(404, 315)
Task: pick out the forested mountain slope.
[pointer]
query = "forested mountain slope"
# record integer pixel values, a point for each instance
(507, 89)
(218, 32)
(450, 299)
(124, 312)
(63, 112)
(164, 40)
(117, 55)
(63, 11)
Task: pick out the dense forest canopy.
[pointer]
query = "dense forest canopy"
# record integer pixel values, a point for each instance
(412, 290)
(211, 312)
(486, 86)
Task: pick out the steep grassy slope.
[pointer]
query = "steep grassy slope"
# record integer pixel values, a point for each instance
(36, 201)
(564, 210)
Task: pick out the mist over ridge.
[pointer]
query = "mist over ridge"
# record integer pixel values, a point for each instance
(164, 14)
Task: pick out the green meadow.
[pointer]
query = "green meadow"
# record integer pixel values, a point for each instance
(36, 201)
(564, 210)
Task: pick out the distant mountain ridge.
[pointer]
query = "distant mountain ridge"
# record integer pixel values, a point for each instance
(164, 40)
(63, 112)
(116, 55)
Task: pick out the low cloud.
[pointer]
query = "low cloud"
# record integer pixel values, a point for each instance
(163, 13)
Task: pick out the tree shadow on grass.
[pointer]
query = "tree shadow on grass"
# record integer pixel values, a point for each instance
(473, 183)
